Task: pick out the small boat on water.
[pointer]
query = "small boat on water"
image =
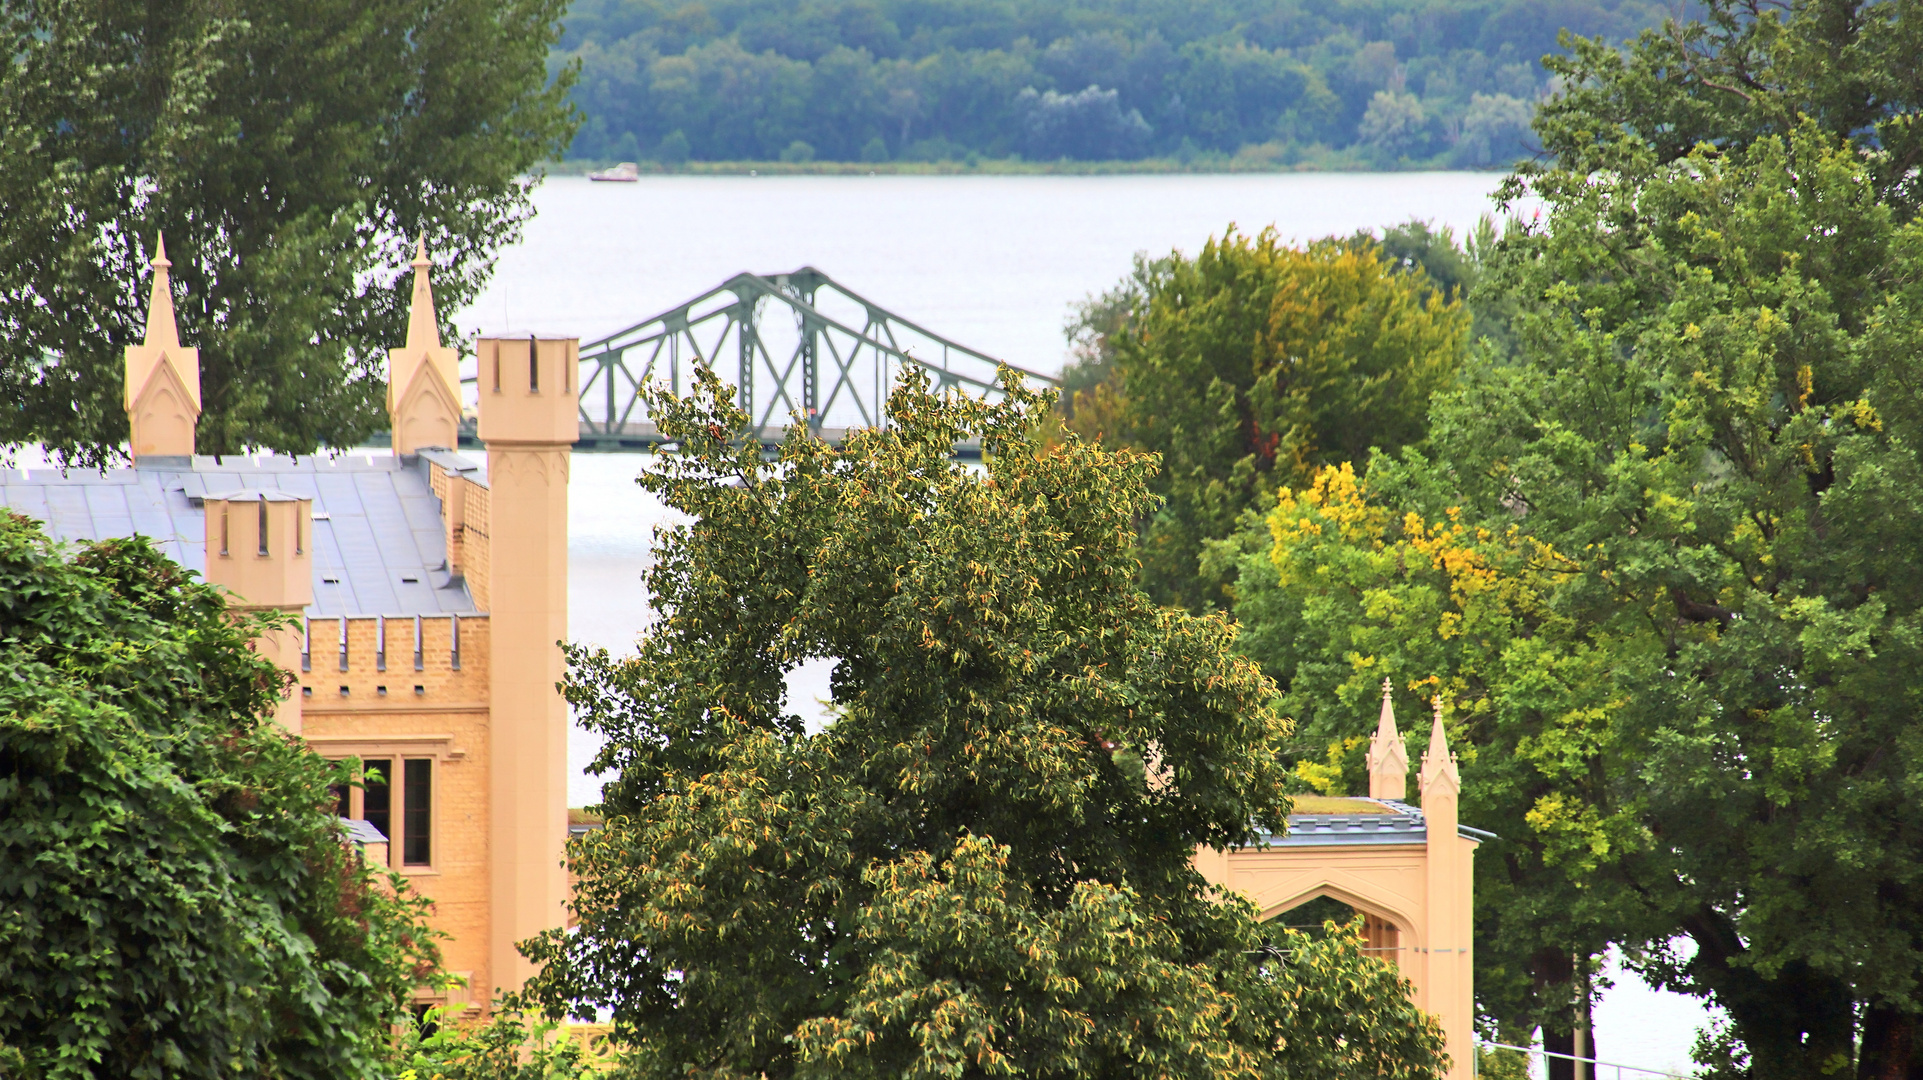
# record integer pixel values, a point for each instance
(627, 172)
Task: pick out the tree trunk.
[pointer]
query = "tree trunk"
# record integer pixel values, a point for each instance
(1553, 973)
(1889, 1046)
(1585, 1025)
(1799, 1024)
(1560, 1042)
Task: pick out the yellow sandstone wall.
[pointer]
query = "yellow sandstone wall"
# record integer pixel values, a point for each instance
(448, 722)
(465, 510)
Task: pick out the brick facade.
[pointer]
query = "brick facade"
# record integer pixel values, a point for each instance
(438, 712)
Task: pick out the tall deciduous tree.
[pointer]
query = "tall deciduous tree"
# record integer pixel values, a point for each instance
(982, 866)
(1251, 365)
(1742, 72)
(290, 153)
(177, 898)
(1349, 591)
(1713, 419)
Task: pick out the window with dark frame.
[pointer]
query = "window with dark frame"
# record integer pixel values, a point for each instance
(418, 800)
(409, 827)
(377, 801)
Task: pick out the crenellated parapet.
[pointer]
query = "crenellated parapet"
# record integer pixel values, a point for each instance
(465, 505)
(398, 662)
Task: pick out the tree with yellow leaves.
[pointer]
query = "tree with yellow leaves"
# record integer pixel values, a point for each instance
(1664, 564)
(1254, 363)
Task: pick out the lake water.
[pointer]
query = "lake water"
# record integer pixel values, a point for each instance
(992, 262)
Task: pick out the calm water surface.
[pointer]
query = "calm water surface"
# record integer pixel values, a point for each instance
(992, 262)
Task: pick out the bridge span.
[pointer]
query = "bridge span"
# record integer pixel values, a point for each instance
(795, 345)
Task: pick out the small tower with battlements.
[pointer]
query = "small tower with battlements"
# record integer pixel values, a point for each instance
(162, 395)
(423, 376)
(529, 422)
(260, 548)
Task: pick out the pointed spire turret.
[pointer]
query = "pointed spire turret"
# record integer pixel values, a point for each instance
(423, 331)
(1388, 761)
(1437, 762)
(162, 393)
(162, 330)
(423, 377)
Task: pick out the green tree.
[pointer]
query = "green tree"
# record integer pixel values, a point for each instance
(290, 153)
(1251, 365)
(1349, 591)
(982, 865)
(1744, 72)
(1713, 419)
(507, 1045)
(177, 898)
(1440, 83)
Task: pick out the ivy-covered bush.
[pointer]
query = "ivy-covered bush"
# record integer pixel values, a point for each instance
(176, 898)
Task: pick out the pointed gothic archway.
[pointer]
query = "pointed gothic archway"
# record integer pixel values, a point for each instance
(1408, 869)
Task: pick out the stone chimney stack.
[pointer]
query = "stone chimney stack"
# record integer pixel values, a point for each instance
(260, 548)
(1450, 884)
(423, 377)
(529, 422)
(162, 395)
(1388, 761)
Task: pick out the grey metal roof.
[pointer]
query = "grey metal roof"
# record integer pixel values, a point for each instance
(1401, 824)
(379, 545)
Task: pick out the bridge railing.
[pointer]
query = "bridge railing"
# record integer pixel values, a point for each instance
(796, 346)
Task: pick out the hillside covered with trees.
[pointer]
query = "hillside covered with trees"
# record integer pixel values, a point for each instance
(1351, 83)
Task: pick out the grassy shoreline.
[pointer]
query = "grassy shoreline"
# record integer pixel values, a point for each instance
(1241, 163)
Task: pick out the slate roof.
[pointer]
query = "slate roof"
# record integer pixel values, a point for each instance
(379, 545)
(1385, 821)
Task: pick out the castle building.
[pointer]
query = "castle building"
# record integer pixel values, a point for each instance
(1409, 871)
(429, 595)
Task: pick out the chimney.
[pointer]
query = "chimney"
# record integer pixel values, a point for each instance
(1388, 761)
(423, 378)
(529, 422)
(162, 395)
(260, 549)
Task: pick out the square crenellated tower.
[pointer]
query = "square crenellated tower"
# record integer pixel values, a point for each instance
(260, 549)
(529, 422)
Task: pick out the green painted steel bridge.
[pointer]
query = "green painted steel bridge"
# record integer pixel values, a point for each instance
(796, 345)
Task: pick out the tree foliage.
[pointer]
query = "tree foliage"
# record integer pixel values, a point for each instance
(1745, 71)
(505, 1045)
(1269, 82)
(176, 896)
(1692, 515)
(1348, 591)
(291, 154)
(982, 865)
(1252, 364)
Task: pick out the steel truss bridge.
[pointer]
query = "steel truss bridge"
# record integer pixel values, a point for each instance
(796, 346)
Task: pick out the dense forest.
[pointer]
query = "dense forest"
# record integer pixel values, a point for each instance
(1356, 83)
